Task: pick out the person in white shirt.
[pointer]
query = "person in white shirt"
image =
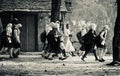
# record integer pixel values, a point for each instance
(6, 39)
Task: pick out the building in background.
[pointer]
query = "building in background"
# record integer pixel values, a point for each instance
(33, 14)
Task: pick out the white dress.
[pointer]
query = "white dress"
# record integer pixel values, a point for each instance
(68, 47)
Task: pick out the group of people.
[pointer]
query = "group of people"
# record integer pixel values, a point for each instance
(57, 42)
(10, 39)
(91, 42)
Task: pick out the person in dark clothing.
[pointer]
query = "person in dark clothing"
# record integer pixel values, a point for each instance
(16, 38)
(80, 35)
(54, 44)
(89, 43)
(43, 38)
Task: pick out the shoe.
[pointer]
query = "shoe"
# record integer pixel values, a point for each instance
(45, 57)
(42, 55)
(66, 56)
(15, 56)
(100, 60)
(113, 63)
(50, 58)
(82, 59)
(103, 60)
(73, 54)
(10, 57)
(96, 59)
(79, 54)
(62, 58)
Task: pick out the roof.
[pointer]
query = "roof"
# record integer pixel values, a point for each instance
(25, 5)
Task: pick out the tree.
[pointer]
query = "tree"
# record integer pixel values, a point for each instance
(55, 12)
(116, 38)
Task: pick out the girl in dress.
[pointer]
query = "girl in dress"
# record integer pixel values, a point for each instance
(68, 46)
(100, 43)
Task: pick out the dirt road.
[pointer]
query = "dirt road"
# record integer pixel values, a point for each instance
(35, 65)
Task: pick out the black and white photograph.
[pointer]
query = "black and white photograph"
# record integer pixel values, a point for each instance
(59, 37)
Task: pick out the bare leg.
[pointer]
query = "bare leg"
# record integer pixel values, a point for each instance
(94, 52)
(101, 54)
(104, 50)
(4, 49)
(46, 55)
(11, 52)
(50, 57)
(61, 57)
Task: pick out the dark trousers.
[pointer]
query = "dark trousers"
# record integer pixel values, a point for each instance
(94, 52)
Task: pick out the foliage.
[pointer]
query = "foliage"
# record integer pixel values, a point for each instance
(100, 12)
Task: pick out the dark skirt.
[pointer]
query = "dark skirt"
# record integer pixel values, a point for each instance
(55, 49)
(99, 45)
(5, 42)
(15, 43)
(89, 47)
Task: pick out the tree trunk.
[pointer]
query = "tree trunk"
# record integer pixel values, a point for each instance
(55, 12)
(116, 38)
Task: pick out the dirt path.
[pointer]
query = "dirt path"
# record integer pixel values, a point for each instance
(35, 65)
